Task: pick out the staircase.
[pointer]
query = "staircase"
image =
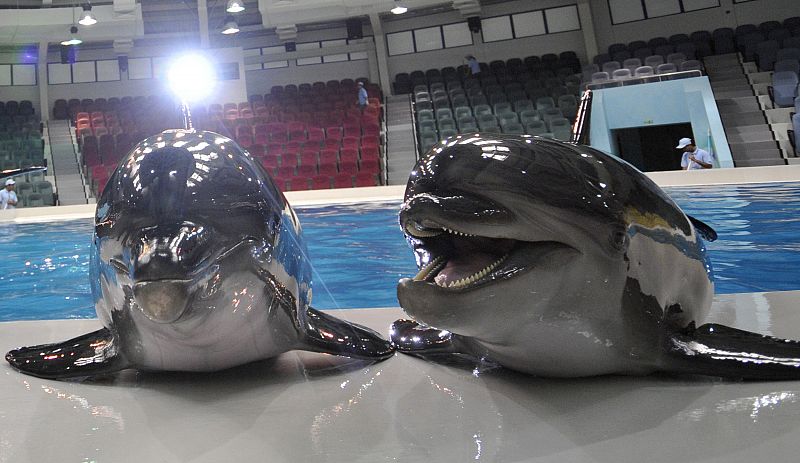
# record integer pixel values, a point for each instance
(401, 151)
(64, 167)
(749, 134)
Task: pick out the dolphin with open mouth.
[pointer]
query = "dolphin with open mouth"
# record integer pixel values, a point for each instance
(556, 259)
(197, 264)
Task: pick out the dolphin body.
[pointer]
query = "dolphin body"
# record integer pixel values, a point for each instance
(197, 264)
(556, 259)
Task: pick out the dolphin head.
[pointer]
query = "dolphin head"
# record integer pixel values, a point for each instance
(190, 231)
(513, 230)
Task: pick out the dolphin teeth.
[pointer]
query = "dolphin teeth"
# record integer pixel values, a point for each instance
(433, 267)
(469, 279)
(421, 232)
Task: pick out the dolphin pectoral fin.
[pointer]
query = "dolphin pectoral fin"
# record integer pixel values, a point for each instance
(331, 335)
(704, 229)
(88, 355)
(718, 350)
(410, 337)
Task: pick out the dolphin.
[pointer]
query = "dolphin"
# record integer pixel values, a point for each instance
(559, 260)
(197, 264)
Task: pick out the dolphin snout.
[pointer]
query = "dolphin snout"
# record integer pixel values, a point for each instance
(162, 301)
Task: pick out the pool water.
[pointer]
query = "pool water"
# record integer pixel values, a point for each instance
(359, 253)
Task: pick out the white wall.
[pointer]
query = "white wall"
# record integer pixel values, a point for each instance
(260, 81)
(225, 91)
(518, 48)
(727, 14)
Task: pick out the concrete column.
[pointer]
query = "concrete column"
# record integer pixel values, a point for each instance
(202, 16)
(41, 79)
(380, 52)
(587, 26)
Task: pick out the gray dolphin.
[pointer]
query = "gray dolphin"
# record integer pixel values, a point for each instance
(197, 264)
(556, 259)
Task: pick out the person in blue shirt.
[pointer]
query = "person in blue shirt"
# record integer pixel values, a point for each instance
(694, 157)
(474, 65)
(362, 96)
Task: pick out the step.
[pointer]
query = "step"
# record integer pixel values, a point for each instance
(741, 149)
(742, 104)
(781, 130)
(758, 162)
(779, 115)
(760, 133)
(748, 118)
(725, 94)
(760, 78)
(730, 85)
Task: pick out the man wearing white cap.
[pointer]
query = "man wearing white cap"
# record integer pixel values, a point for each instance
(694, 157)
(8, 199)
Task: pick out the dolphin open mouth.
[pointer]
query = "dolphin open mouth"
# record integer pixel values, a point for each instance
(458, 260)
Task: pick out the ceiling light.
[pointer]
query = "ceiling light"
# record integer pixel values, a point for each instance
(87, 18)
(230, 26)
(398, 8)
(234, 6)
(73, 40)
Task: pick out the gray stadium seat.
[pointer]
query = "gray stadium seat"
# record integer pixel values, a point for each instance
(535, 127)
(621, 74)
(666, 68)
(654, 60)
(784, 88)
(513, 128)
(644, 71)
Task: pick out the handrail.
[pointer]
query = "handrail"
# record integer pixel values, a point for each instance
(611, 83)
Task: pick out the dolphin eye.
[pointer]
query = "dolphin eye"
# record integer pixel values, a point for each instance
(118, 266)
(619, 240)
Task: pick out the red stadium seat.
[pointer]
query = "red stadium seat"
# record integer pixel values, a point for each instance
(348, 155)
(334, 132)
(321, 182)
(327, 156)
(308, 157)
(343, 181)
(349, 167)
(257, 150)
(298, 184)
(366, 179)
(369, 165)
(370, 152)
(285, 172)
(307, 170)
(289, 159)
(350, 142)
(332, 144)
(328, 169)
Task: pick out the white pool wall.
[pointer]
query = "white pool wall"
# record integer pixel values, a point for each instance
(740, 175)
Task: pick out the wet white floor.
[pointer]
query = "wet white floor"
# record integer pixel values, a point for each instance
(304, 407)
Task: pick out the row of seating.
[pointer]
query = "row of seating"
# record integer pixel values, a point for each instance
(702, 43)
(12, 108)
(657, 64)
(646, 71)
(324, 182)
(36, 193)
(514, 69)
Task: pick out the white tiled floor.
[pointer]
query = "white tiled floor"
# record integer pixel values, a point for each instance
(304, 407)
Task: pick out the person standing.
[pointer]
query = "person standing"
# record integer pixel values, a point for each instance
(474, 66)
(362, 96)
(694, 157)
(8, 198)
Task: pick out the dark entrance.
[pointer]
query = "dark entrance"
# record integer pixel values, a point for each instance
(652, 148)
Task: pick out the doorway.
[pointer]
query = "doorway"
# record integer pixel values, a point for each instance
(652, 148)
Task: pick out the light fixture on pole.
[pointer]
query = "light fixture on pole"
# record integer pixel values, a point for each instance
(235, 6)
(87, 18)
(230, 27)
(73, 39)
(398, 8)
(191, 78)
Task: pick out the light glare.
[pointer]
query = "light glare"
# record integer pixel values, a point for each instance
(191, 77)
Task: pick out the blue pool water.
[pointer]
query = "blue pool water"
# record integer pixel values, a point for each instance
(359, 252)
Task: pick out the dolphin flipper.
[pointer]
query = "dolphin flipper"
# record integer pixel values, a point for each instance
(410, 337)
(88, 355)
(718, 350)
(330, 335)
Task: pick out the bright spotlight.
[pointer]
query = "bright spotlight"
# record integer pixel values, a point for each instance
(87, 18)
(191, 77)
(398, 8)
(234, 6)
